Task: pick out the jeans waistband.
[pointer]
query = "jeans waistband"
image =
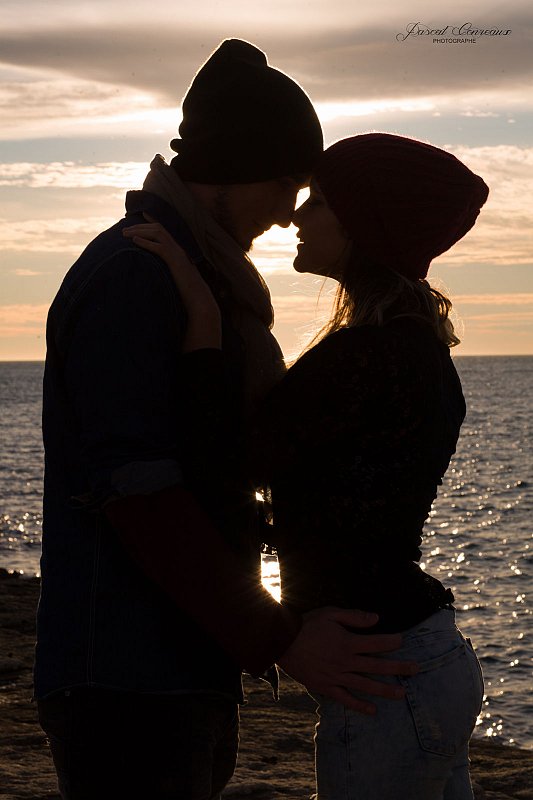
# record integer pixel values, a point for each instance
(442, 620)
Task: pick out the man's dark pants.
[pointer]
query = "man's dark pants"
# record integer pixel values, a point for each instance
(113, 745)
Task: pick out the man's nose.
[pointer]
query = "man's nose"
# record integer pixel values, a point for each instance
(284, 216)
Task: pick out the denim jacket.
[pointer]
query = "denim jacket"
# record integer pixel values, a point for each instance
(113, 425)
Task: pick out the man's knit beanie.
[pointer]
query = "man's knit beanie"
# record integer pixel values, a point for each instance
(403, 202)
(244, 121)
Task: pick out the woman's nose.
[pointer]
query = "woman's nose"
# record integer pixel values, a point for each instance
(296, 216)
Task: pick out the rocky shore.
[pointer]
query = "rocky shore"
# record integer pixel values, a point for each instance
(276, 755)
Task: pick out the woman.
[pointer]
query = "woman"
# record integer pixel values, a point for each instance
(355, 441)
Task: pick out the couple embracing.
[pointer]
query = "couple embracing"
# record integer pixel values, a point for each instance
(167, 406)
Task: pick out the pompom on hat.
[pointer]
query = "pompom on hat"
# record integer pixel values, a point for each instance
(402, 201)
(244, 121)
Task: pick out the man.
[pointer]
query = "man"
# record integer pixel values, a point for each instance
(150, 603)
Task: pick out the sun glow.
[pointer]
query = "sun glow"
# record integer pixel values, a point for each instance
(333, 110)
(270, 575)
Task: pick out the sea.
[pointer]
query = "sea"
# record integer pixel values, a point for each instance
(478, 538)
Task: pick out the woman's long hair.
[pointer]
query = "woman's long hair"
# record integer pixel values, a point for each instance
(373, 295)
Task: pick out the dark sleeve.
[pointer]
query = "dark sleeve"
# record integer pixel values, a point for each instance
(210, 431)
(197, 571)
(122, 377)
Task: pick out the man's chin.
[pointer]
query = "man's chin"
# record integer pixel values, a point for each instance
(246, 244)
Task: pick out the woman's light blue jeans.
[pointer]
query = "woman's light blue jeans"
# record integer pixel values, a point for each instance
(412, 749)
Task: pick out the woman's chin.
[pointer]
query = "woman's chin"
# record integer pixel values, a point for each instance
(303, 266)
(301, 263)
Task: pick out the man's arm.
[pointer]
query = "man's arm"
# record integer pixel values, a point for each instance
(198, 572)
(201, 575)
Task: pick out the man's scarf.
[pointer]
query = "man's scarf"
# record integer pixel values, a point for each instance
(254, 315)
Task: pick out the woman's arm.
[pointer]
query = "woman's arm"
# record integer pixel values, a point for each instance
(205, 397)
(204, 328)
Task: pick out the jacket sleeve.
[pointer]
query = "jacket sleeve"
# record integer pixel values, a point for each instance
(210, 434)
(122, 377)
(194, 567)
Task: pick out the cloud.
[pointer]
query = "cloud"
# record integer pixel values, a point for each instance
(505, 325)
(77, 71)
(504, 318)
(511, 332)
(34, 104)
(502, 235)
(340, 53)
(26, 273)
(23, 320)
(272, 15)
(301, 309)
(504, 231)
(514, 299)
(477, 113)
(62, 235)
(367, 63)
(492, 314)
(71, 175)
(107, 73)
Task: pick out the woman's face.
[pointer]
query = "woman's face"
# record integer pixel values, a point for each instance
(324, 245)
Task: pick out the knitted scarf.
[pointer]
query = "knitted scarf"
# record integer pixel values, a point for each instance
(254, 317)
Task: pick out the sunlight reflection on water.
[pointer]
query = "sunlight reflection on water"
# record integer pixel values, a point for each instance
(270, 575)
(478, 538)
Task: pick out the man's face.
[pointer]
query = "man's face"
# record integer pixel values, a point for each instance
(246, 210)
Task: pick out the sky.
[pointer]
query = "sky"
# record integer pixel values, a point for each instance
(90, 91)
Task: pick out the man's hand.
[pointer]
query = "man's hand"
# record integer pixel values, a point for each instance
(329, 659)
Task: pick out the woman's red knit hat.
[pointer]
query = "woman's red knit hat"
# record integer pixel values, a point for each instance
(403, 202)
